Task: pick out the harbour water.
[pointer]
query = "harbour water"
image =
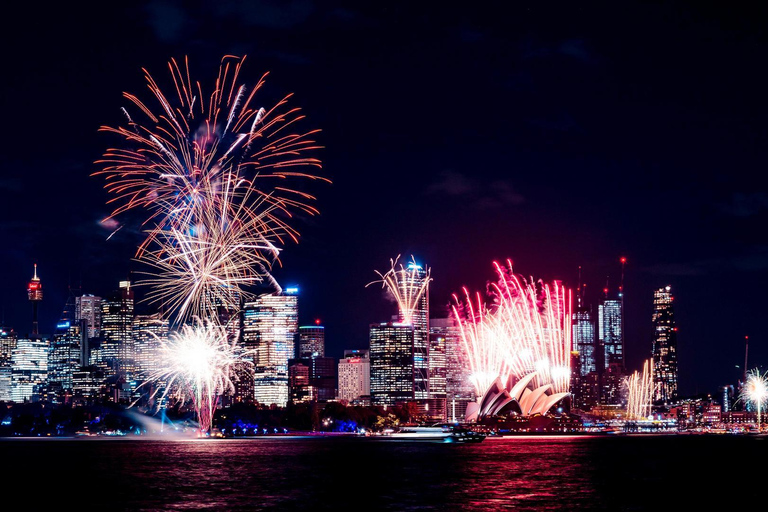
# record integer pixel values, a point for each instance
(610, 473)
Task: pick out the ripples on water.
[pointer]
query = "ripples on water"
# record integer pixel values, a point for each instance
(625, 473)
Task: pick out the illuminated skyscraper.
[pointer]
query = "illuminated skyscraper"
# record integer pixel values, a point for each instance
(117, 332)
(440, 332)
(270, 324)
(311, 341)
(88, 308)
(459, 390)
(584, 339)
(411, 283)
(664, 346)
(392, 363)
(65, 358)
(610, 333)
(29, 369)
(149, 333)
(355, 377)
(7, 344)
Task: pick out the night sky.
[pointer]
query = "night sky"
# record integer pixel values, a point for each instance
(557, 135)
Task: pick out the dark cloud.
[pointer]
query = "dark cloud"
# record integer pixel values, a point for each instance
(745, 204)
(475, 193)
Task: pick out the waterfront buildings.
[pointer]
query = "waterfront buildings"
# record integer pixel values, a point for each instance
(269, 328)
(117, 351)
(392, 363)
(664, 346)
(355, 377)
(311, 341)
(29, 369)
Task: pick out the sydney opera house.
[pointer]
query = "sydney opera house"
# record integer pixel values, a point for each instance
(523, 399)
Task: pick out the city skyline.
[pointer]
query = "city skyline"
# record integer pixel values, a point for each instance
(549, 136)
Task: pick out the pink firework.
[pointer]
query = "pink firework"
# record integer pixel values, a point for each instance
(526, 329)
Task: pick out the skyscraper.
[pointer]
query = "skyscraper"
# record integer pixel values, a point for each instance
(392, 363)
(29, 369)
(149, 332)
(117, 332)
(584, 339)
(355, 376)
(664, 346)
(610, 332)
(64, 358)
(416, 313)
(311, 341)
(270, 324)
(88, 308)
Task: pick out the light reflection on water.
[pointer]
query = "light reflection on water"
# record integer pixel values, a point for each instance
(521, 473)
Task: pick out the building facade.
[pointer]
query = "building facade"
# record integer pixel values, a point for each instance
(270, 325)
(664, 346)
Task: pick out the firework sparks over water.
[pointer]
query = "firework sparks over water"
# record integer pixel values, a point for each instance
(525, 329)
(197, 364)
(640, 390)
(213, 174)
(407, 285)
(755, 391)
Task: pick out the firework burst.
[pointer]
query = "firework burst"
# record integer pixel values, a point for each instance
(213, 174)
(407, 285)
(755, 392)
(640, 390)
(197, 364)
(525, 329)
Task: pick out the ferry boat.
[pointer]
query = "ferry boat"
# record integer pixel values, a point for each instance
(442, 433)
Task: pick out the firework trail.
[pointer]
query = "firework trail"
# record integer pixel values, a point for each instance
(640, 389)
(755, 392)
(406, 285)
(213, 175)
(525, 329)
(196, 364)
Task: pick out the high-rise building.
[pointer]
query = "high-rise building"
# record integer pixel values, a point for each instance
(117, 349)
(584, 339)
(392, 363)
(88, 308)
(29, 369)
(7, 344)
(311, 341)
(458, 387)
(355, 377)
(149, 334)
(65, 358)
(35, 295)
(411, 283)
(610, 332)
(440, 332)
(270, 324)
(664, 346)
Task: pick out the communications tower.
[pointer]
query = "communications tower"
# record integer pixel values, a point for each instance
(34, 294)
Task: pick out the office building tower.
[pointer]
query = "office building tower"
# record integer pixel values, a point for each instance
(270, 324)
(584, 340)
(414, 282)
(440, 330)
(150, 332)
(355, 377)
(35, 295)
(88, 308)
(7, 344)
(29, 371)
(610, 332)
(300, 390)
(65, 358)
(117, 351)
(311, 341)
(458, 387)
(392, 363)
(664, 346)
